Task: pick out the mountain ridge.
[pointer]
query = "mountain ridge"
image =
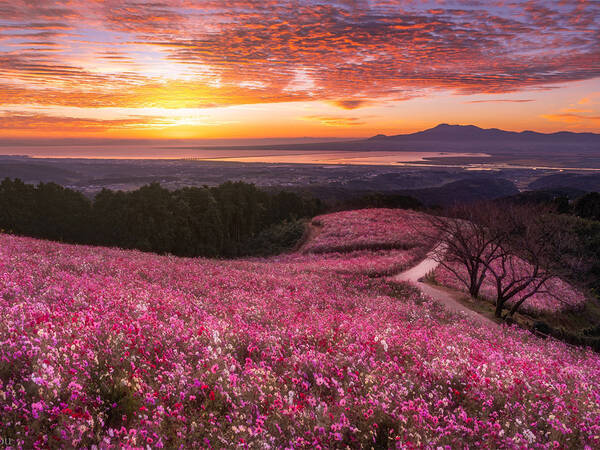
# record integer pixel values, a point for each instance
(458, 139)
(445, 130)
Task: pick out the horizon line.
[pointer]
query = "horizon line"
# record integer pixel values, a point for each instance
(90, 141)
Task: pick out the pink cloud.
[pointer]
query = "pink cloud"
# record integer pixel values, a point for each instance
(353, 51)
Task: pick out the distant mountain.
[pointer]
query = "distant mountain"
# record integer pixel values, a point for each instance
(467, 138)
(472, 133)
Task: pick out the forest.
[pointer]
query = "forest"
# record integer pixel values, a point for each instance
(229, 220)
(232, 219)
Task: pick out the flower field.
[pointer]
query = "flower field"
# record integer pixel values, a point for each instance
(371, 263)
(125, 349)
(367, 229)
(555, 296)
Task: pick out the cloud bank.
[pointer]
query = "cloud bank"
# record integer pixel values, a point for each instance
(349, 53)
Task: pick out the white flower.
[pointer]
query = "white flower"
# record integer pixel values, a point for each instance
(385, 345)
(529, 436)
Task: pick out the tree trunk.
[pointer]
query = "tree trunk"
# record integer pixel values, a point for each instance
(475, 285)
(516, 306)
(474, 291)
(499, 305)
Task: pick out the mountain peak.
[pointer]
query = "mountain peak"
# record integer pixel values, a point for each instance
(377, 137)
(447, 126)
(489, 137)
(445, 130)
(442, 126)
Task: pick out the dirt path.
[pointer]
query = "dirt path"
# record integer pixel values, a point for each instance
(446, 297)
(312, 231)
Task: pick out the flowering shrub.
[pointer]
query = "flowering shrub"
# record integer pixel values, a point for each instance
(363, 229)
(120, 349)
(555, 296)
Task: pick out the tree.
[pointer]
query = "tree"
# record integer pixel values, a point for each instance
(588, 206)
(17, 206)
(219, 221)
(531, 251)
(62, 214)
(463, 243)
(200, 221)
(518, 247)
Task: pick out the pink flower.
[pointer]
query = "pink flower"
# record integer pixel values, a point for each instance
(127, 324)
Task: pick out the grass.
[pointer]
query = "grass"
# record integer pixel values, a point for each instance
(580, 327)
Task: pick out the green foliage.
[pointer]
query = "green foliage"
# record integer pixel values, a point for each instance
(588, 232)
(276, 239)
(65, 212)
(581, 219)
(232, 219)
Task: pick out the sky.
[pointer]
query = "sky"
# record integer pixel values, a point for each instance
(240, 69)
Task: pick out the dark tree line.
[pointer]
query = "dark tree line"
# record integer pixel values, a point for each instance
(232, 219)
(379, 200)
(588, 206)
(581, 218)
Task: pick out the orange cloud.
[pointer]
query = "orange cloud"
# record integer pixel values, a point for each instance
(188, 54)
(592, 98)
(572, 118)
(335, 121)
(19, 122)
(576, 115)
(352, 103)
(502, 100)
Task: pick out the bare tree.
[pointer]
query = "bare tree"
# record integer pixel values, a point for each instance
(463, 243)
(530, 253)
(520, 247)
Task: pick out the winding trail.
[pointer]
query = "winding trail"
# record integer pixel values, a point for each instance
(446, 297)
(312, 231)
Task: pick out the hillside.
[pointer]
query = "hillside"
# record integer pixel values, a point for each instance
(465, 191)
(121, 348)
(584, 183)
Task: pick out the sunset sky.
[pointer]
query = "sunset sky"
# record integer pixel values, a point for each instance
(276, 68)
